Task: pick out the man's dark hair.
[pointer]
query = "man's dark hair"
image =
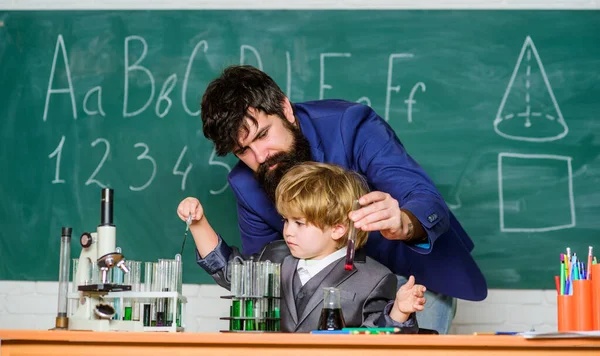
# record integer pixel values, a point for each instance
(226, 101)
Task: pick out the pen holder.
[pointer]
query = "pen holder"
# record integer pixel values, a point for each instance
(566, 313)
(595, 275)
(582, 292)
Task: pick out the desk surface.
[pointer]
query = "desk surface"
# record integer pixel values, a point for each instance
(37, 342)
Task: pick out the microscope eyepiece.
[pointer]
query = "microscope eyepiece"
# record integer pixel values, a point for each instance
(66, 231)
(106, 207)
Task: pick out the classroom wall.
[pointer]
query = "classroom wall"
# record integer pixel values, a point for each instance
(32, 305)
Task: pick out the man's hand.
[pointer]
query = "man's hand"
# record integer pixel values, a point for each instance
(381, 212)
(410, 298)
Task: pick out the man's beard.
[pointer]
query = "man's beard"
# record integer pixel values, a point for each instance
(300, 152)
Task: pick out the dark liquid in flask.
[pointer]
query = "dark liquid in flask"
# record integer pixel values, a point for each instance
(331, 319)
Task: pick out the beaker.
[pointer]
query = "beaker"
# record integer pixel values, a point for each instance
(332, 317)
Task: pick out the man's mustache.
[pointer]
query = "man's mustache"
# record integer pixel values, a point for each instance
(273, 160)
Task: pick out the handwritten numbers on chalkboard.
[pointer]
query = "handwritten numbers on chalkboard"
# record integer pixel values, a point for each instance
(144, 155)
(213, 162)
(179, 169)
(57, 152)
(184, 174)
(91, 179)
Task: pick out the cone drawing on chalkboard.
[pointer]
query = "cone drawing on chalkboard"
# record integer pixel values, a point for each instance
(529, 111)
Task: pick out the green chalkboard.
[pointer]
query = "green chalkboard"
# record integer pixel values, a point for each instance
(501, 108)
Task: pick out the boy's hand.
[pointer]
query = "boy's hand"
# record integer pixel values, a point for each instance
(410, 298)
(205, 237)
(191, 206)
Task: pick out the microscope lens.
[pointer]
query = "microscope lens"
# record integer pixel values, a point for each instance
(106, 207)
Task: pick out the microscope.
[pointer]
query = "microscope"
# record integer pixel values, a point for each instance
(99, 248)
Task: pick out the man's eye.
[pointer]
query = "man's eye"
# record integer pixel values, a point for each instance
(241, 151)
(299, 223)
(263, 134)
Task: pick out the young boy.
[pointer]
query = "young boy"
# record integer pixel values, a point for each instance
(314, 200)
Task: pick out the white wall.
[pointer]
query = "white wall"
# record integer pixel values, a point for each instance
(32, 305)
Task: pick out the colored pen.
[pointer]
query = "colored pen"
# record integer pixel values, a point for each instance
(575, 271)
(562, 274)
(589, 262)
(568, 262)
(497, 333)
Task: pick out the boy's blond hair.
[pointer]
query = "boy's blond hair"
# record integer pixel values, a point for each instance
(323, 194)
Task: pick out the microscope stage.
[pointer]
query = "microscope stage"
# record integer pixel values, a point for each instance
(106, 287)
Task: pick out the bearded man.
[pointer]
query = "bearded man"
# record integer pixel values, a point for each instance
(411, 230)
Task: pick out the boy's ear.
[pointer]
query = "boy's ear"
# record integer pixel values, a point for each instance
(338, 231)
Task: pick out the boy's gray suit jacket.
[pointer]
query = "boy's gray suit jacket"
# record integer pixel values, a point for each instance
(367, 292)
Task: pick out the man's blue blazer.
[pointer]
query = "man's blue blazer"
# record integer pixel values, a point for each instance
(353, 136)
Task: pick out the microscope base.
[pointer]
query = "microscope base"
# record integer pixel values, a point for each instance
(105, 325)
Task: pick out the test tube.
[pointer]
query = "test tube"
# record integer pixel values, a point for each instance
(179, 275)
(95, 273)
(74, 284)
(236, 292)
(62, 321)
(74, 266)
(117, 273)
(118, 278)
(159, 303)
(276, 293)
(127, 301)
(171, 287)
(351, 241)
(135, 272)
(132, 279)
(162, 304)
(261, 307)
(269, 295)
(155, 288)
(147, 305)
(249, 283)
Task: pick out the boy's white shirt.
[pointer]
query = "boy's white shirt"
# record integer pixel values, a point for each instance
(309, 268)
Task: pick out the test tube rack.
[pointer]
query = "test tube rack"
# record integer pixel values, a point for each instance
(255, 296)
(174, 299)
(264, 319)
(156, 305)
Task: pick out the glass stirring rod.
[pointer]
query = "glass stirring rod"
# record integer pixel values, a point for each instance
(351, 241)
(188, 222)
